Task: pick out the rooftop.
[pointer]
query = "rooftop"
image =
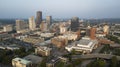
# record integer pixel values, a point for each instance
(34, 59)
(23, 61)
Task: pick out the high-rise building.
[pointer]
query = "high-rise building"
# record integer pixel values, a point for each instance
(8, 28)
(32, 25)
(49, 20)
(38, 18)
(93, 33)
(75, 24)
(20, 25)
(43, 26)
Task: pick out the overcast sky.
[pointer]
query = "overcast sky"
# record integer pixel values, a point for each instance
(60, 8)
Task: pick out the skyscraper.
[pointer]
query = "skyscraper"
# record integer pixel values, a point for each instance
(38, 18)
(92, 33)
(74, 24)
(49, 20)
(20, 25)
(32, 25)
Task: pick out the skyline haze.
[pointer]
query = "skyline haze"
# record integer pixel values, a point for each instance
(60, 8)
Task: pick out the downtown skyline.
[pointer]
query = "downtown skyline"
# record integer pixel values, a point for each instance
(60, 8)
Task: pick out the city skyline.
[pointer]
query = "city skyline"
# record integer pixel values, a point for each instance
(60, 9)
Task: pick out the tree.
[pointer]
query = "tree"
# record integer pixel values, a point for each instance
(43, 63)
(114, 62)
(97, 63)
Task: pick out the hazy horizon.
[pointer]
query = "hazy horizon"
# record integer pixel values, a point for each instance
(60, 8)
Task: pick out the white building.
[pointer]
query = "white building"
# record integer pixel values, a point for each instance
(84, 45)
(47, 34)
(69, 36)
(7, 28)
(19, 62)
(32, 25)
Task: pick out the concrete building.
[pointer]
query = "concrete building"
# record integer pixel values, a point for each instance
(43, 26)
(59, 42)
(7, 28)
(75, 24)
(47, 35)
(36, 60)
(62, 29)
(38, 18)
(53, 62)
(43, 50)
(32, 25)
(106, 29)
(19, 62)
(20, 25)
(27, 61)
(5, 36)
(70, 36)
(93, 33)
(33, 39)
(85, 45)
(49, 20)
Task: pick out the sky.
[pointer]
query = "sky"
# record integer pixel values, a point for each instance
(60, 8)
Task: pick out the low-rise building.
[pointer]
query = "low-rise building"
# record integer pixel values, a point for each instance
(43, 50)
(33, 40)
(83, 45)
(19, 62)
(36, 60)
(7, 28)
(53, 62)
(59, 42)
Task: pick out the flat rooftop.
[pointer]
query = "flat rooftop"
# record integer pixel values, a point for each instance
(33, 58)
(23, 61)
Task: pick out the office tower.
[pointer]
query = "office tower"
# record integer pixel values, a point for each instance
(38, 18)
(106, 29)
(8, 28)
(93, 33)
(43, 26)
(49, 20)
(74, 24)
(20, 25)
(88, 32)
(32, 25)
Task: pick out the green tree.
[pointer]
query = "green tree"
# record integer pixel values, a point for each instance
(43, 63)
(97, 63)
(114, 62)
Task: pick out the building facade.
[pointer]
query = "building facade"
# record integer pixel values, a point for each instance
(49, 20)
(32, 25)
(20, 25)
(75, 24)
(7, 28)
(38, 18)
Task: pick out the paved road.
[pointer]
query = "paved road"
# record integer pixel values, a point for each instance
(92, 56)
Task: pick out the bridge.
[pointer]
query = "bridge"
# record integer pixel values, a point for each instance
(93, 56)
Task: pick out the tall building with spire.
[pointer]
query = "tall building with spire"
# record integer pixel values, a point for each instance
(38, 18)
